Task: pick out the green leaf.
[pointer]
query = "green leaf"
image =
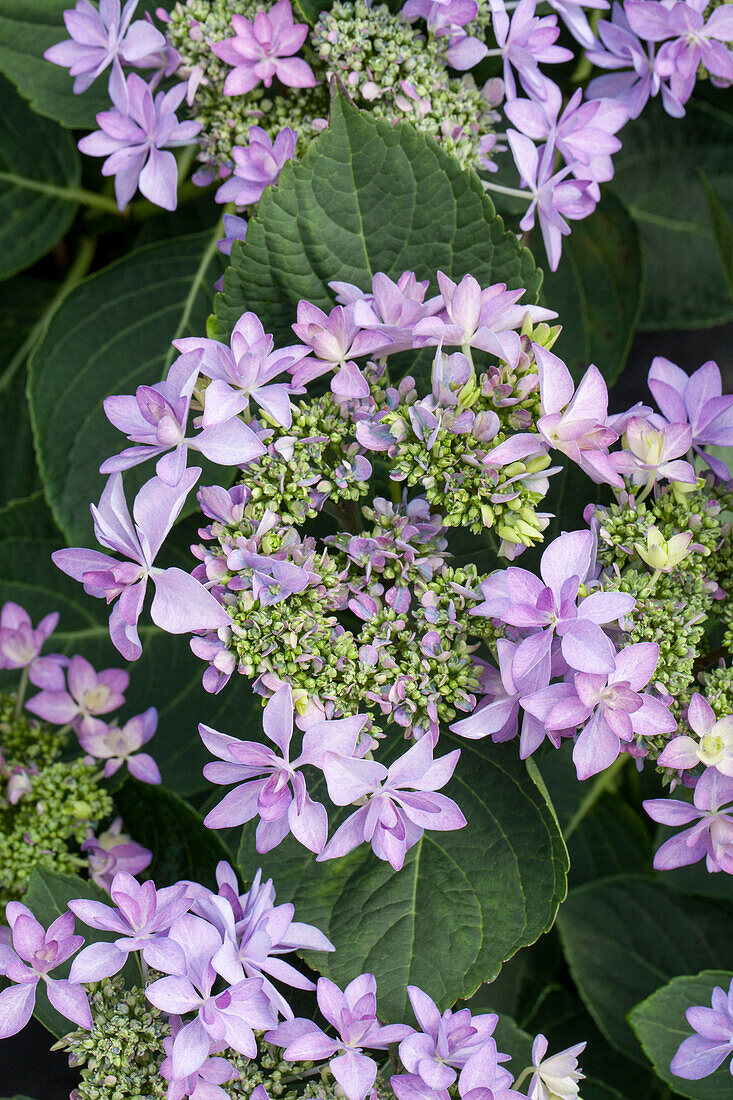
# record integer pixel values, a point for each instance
(660, 1025)
(48, 896)
(167, 675)
(464, 902)
(625, 936)
(722, 225)
(27, 29)
(366, 197)
(23, 302)
(111, 334)
(181, 844)
(657, 176)
(32, 149)
(598, 290)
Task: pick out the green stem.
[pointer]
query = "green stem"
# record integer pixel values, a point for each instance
(195, 287)
(77, 271)
(20, 697)
(69, 194)
(601, 784)
(514, 192)
(188, 156)
(523, 1077)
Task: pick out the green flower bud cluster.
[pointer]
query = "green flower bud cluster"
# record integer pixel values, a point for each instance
(43, 828)
(268, 1070)
(388, 67)
(716, 684)
(673, 614)
(25, 740)
(399, 74)
(120, 1058)
(309, 463)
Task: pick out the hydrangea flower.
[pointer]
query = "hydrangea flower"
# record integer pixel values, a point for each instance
(136, 137)
(525, 40)
(101, 37)
(702, 1053)
(21, 642)
(262, 50)
(434, 1055)
(556, 1077)
(34, 953)
(697, 399)
(353, 1014)
(120, 745)
(114, 851)
(711, 835)
(180, 603)
(142, 919)
(714, 744)
(89, 694)
(651, 453)
(402, 801)
(257, 166)
(274, 787)
(229, 1016)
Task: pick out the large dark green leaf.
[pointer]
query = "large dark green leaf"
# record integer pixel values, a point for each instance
(722, 225)
(366, 197)
(598, 290)
(660, 1025)
(23, 301)
(181, 844)
(32, 149)
(626, 936)
(464, 902)
(167, 675)
(110, 335)
(27, 29)
(657, 176)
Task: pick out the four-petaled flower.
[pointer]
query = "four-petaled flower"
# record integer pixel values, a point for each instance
(119, 745)
(711, 837)
(353, 1013)
(713, 746)
(271, 786)
(701, 1054)
(262, 49)
(89, 694)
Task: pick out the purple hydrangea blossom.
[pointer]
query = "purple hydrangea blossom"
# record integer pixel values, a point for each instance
(332, 342)
(142, 921)
(711, 837)
(257, 166)
(576, 421)
(203, 1083)
(34, 953)
(476, 318)
(652, 452)
(114, 851)
(611, 708)
(157, 416)
(254, 932)
(524, 41)
(89, 694)
(262, 50)
(444, 1045)
(21, 642)
(702, 1053)
(696, 399)
(353, 1014)
(101, 37)
(227, 1017)
(714, 744)
(120, 745)
(180, 603)
(498, 715)
(242, 372)
(135, 138)
(547, 606)
(401, 801)
(274, 788)
(690, 40)
(555, 197)
(572, 14)
(392, 308)
(635, 76)
(482, 1078)
(583, 133)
